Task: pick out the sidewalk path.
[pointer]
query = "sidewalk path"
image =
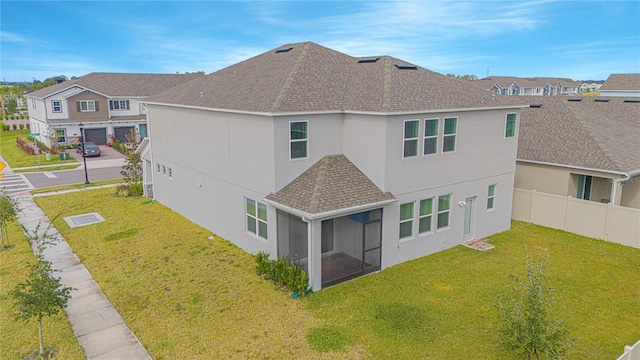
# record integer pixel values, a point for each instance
(101, 331)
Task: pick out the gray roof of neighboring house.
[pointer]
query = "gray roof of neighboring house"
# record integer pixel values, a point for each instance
(333, 183)
(310, 77)
(622, 82)
(589, 133)
(120, 84)
(507, 81)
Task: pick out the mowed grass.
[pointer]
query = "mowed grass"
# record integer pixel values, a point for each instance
(183, 295)
(18, 158)
(17, 338)
(442, 306)
(186, 296)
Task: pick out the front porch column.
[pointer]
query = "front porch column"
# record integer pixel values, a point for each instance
(315, 254)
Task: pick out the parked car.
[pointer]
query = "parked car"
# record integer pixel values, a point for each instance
(90, 149)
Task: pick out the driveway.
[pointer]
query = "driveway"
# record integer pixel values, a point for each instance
(107, 153)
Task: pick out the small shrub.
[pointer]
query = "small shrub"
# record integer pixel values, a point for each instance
(283, 272)
(15, 126)
(21, 126)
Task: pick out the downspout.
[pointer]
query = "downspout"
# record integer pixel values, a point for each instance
(614, 186)
(311, 262)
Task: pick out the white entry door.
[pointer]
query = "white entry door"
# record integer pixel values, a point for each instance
(469, 219)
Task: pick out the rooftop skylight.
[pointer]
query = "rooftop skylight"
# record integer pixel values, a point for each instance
(406, 67)
(281, 50)
(368, 59)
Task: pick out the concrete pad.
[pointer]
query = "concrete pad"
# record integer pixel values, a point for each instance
(132, 352)
(93, 321)
(90, 302)
(74, 275)
(107, 340)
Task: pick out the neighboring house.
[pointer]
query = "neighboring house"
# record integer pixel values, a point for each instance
(621, 85)
(590, 85)
(107, 104)
(587, 148)
(346, 165)
(509, 85)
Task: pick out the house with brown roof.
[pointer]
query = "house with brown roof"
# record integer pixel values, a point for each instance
(625, 85)
(587, 148)
(346, 165)
(107, 104)
(539, 86)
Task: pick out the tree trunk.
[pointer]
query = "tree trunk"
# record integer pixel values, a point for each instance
(40, 336)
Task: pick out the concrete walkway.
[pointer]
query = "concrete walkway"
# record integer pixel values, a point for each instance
(101, 331)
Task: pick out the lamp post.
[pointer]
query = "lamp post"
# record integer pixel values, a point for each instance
(84, 158)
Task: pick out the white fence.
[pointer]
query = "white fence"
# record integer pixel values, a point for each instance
(613, 223)
(631, 352)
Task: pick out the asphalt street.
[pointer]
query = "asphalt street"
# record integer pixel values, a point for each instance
(76, 176)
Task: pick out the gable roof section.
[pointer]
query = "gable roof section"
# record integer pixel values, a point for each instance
(313, 78)
(119, 84)
(333, 183)
(622, 82)
(587, 133)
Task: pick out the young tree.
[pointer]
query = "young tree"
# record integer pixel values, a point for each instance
(526, 327)
(8, 210)
(42, 294)
(132, 168)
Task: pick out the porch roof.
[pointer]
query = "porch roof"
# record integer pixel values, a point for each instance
(333, 183)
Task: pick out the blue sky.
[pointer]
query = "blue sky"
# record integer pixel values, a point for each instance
(574, 39)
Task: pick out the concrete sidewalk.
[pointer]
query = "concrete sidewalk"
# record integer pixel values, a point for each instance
(99, 328)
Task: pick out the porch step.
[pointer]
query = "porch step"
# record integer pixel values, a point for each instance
(478, 245)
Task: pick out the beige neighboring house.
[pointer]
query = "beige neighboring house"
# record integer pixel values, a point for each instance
(586, 148)
(107, 104)
(539, 86)
(621, 85)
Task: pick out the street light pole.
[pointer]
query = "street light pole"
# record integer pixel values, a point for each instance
(84, 158)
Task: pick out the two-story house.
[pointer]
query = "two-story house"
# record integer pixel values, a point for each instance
(539, 86)
(107, 104)
(621, 85)
(347, 165)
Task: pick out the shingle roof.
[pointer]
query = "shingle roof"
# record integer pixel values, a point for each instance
(333, 183)
(589, 133)
(120, 84)
(622, 82)
(310, 77)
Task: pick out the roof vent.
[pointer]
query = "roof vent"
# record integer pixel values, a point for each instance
(368, 59)
(574, 99)
(406, 67)
(281, 50)
(600, 100)
(631, 101)
(535, 105)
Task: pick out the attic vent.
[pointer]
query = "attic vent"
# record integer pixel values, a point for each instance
(535, 105)
(631, 101)
(368, 59)
(406, 67)
(283, 50)
(600, 100)
(574, 99)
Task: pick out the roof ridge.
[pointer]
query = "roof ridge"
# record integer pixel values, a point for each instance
(319, 184)
(291, 77)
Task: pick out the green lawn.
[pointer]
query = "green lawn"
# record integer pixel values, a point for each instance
(186, 296)
(18, 339)
(18, 158)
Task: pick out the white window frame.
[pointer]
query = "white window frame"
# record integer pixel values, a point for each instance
(424, 140)
(64, 135)
(491, 198)
(441, 212)
(122, 105)
(506, 126)
(158, 167)
(33, 103)
(415, 139)
(428, 215)
(305, 140)
(90, 105)
(58, 106)
(407, 220)
(256, 219)
(454, 135)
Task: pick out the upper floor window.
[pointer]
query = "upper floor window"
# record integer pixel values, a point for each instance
(411, 136)
(298, 139)
(87, 105)
(119, 105)
(406, 220)
(33, 104)
(491, 196)
(449, 137)
(430, 136)
(56, 106)
(256, 217)
(510, 128)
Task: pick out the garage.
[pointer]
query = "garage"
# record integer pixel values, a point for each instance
(98, 136)
(125, 133)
